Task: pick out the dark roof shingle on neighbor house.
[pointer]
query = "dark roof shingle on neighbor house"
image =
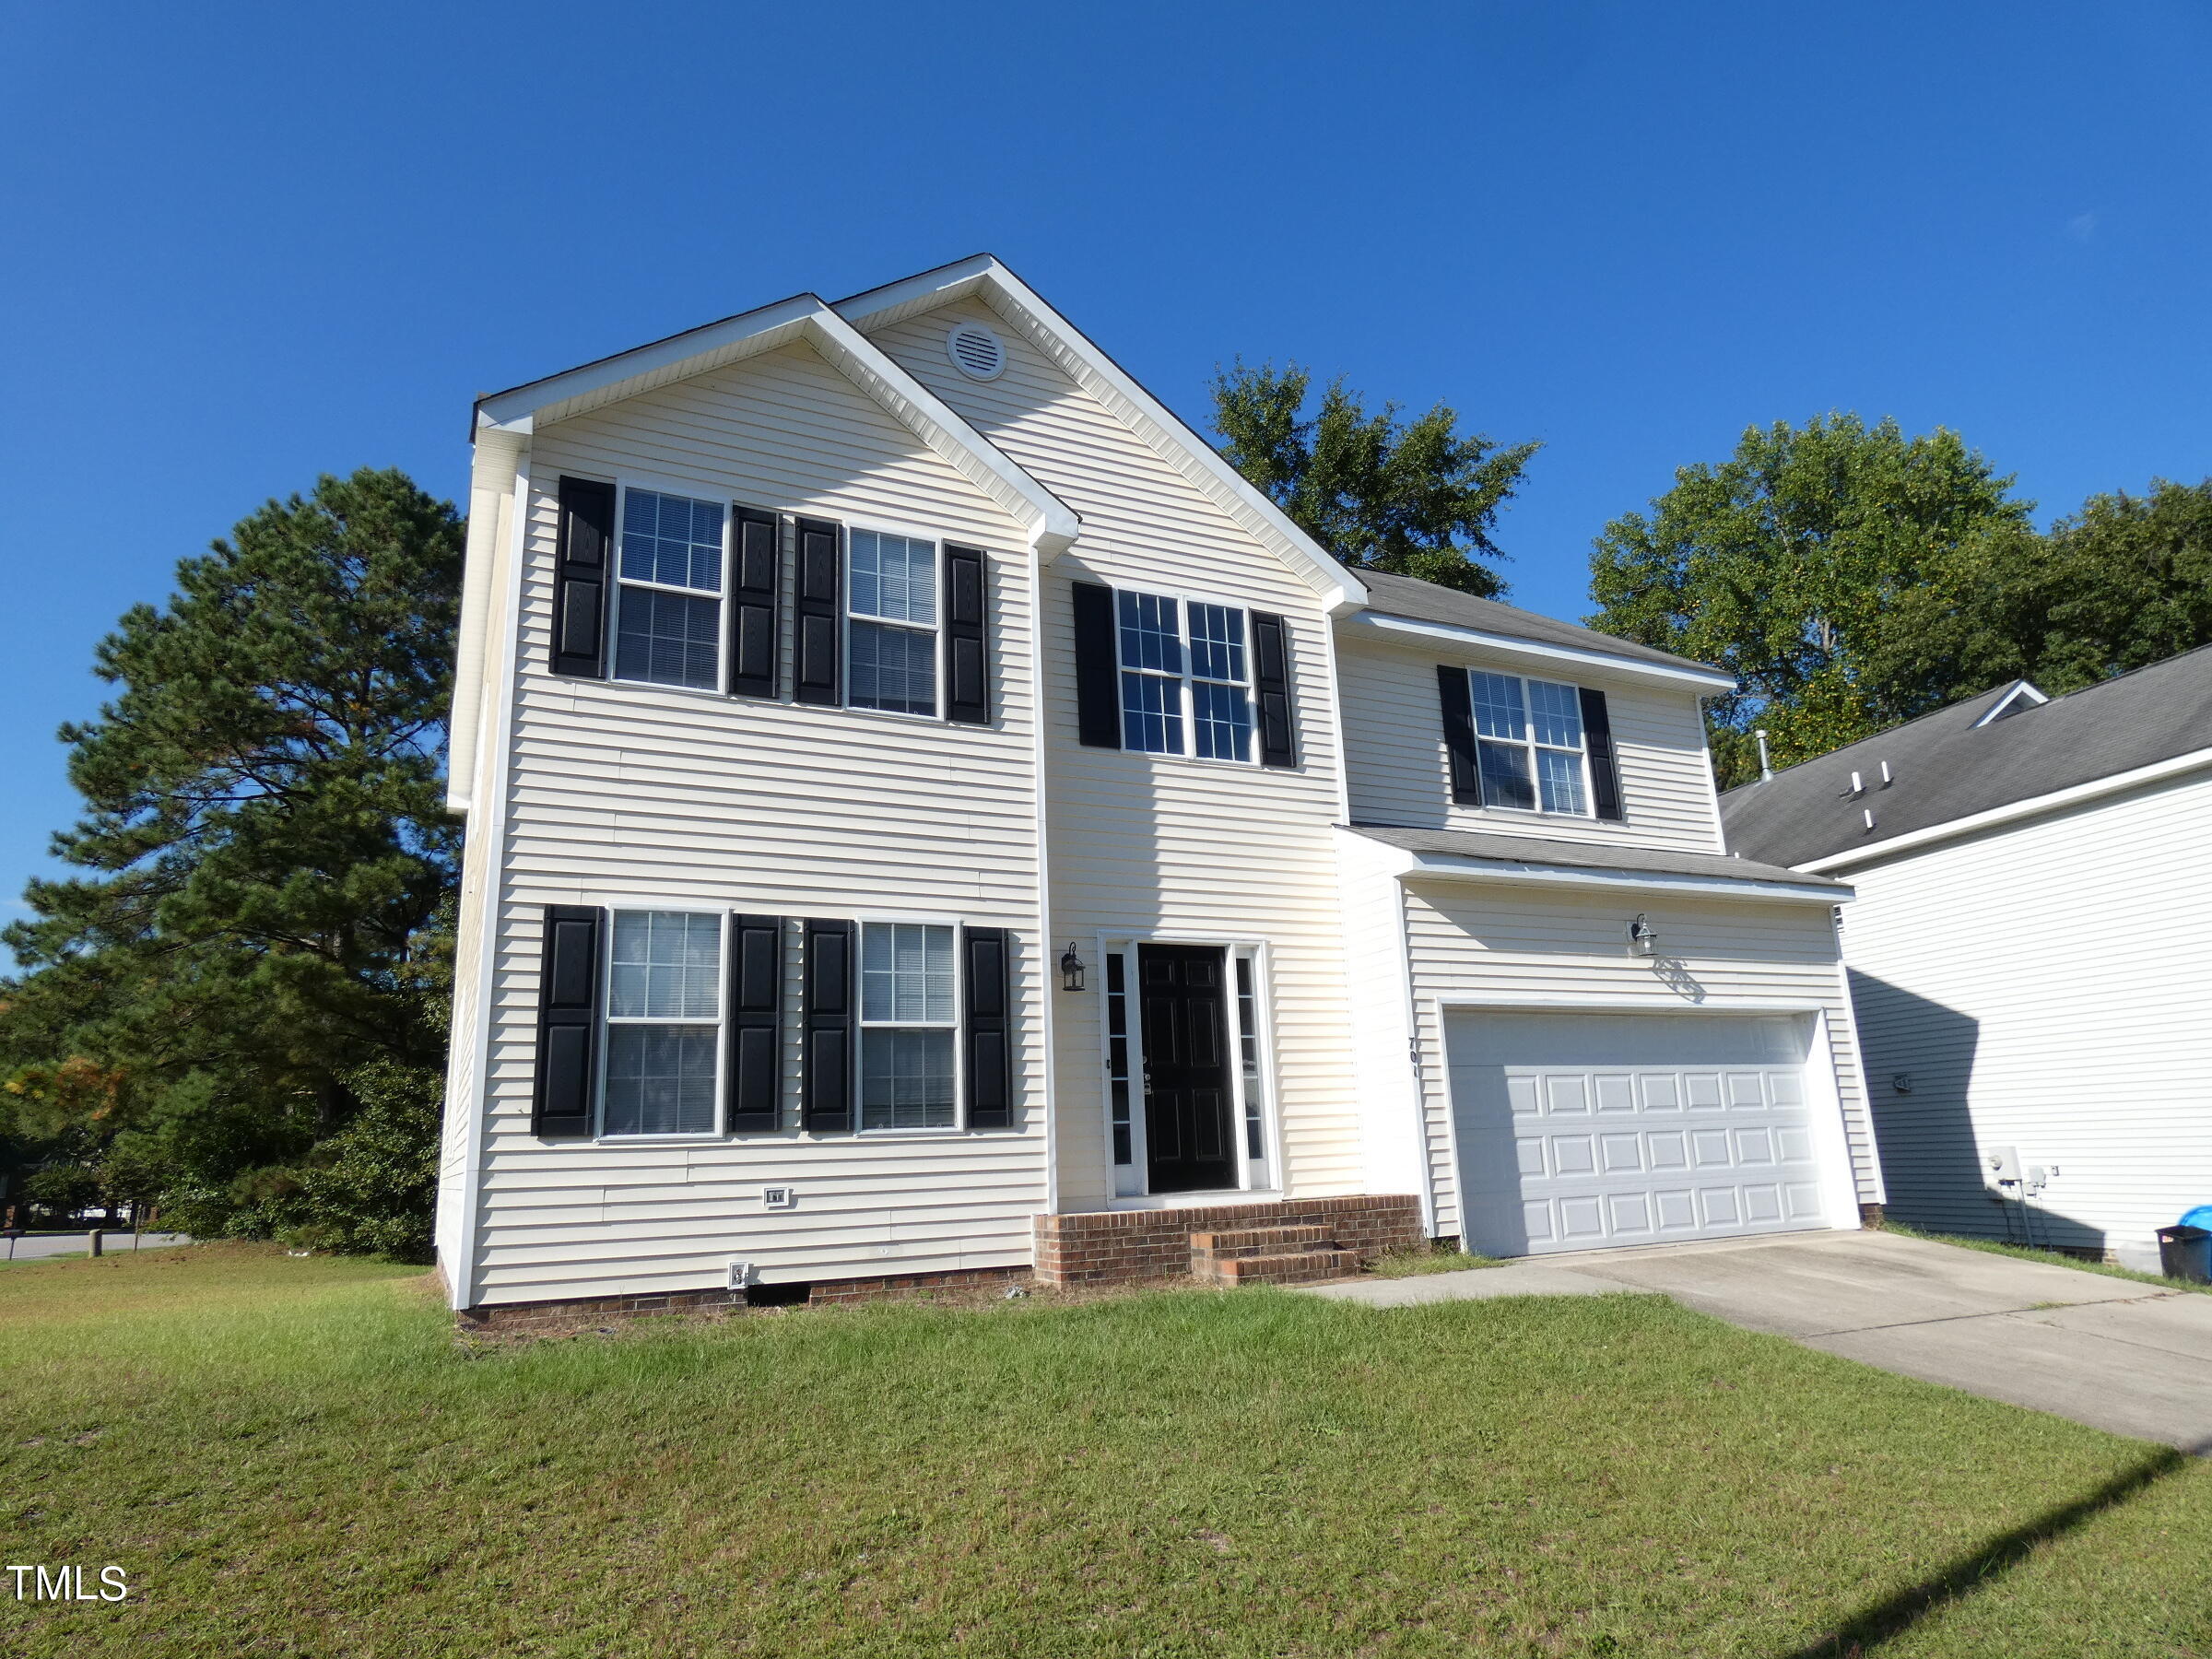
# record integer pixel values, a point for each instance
(1942, 766)
(1419, 601)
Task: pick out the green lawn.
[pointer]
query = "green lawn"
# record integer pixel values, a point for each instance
(296, 1456)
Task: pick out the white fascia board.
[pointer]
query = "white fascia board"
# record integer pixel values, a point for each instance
(1997, 709)
(1051, 524)
(491, 482)
(1114, 386)
(1539, 650)
(1450, 867)
(2058, 799)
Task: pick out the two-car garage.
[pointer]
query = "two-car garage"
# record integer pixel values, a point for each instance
(1579, 1131)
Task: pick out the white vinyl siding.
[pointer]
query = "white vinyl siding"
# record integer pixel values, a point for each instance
(2045, 986)
(1398, 773)
(1479, 944)
(648, 796)
(1153, 845)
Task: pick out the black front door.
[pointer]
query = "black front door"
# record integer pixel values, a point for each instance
(1187, 1144)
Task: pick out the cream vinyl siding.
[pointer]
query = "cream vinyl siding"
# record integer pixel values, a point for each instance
(1499, 943)
(2046, 986)
(1163, 846)
(1393, 738)
(654, 796)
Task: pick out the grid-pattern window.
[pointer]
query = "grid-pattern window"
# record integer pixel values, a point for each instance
(663, 1023)
(668, 606)
(908, 1009)
(1174, 681)
(1530, 742)
(891, 603)
(1117, 1055)
(1248, 1059)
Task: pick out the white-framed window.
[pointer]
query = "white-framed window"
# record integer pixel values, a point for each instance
(891, 622)
(1185, 676)
(664, 1024)
(908, 1016)
(668, 588)
(1530, 743)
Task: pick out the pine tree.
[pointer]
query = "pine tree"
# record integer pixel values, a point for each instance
(268, 858)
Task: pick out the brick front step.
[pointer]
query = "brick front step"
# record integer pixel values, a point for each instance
(1289, 1267)
(1258, 1240)
(1107, 1247)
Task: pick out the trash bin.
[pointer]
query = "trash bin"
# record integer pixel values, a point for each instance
(2185, 1253)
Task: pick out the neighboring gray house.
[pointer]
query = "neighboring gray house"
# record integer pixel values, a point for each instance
(2030, 954)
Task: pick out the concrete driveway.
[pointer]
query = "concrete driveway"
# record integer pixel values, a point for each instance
(2110, 1352)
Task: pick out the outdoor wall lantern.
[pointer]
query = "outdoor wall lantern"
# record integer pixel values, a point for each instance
(1071, 969)
(1643, 938)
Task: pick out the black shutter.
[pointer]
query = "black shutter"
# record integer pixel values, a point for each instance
(826, 1060)
(755, 566)
(819, 609)
(1604, 769)
(966, 642)
(986, 1020)
(1098, 670)
(1459, 734)
(1271, 680)
(755, 1085)
(581, 560)
(568, 1020)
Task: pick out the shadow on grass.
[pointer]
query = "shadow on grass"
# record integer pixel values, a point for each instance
(1885, 1620)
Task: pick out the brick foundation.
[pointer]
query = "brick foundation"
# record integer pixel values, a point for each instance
(512, 1318)
(1870, 1215)
(1105, 1247)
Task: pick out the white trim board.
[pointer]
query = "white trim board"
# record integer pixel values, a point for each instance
(2173, 767)
(1538, 650)
(1051, 524)
(1446, 867)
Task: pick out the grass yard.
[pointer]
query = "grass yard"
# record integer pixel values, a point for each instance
(2055, 1258)
(296, 1456)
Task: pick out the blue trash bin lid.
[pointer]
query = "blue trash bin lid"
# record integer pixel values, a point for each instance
(2199, 1217)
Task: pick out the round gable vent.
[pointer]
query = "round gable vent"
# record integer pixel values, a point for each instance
(976, 351)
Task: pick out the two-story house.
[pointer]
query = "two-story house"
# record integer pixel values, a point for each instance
(930, 819)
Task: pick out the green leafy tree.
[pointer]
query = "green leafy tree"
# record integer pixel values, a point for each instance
(2125, 582)
(268, 858)
(1410, 498)
(1787, 565)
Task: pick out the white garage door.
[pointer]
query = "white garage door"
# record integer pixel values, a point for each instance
(1580, 1131)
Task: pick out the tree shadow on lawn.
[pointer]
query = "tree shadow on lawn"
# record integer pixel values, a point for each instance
(1888, 1620)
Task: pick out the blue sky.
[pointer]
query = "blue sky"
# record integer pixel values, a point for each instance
(252, 243)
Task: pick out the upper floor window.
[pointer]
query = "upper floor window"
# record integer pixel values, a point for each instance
(1185, 677)
(1529, 743)
(891, 610)
(668, 594)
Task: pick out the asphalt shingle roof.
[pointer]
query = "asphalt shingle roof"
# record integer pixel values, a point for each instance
(1941, 768)
(1419, 601)
(1583, 855)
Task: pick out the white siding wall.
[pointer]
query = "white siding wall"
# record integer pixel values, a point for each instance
(1501, 944)
(1399, 774)
(664, 796)
(1164, 846)
(2047, 986)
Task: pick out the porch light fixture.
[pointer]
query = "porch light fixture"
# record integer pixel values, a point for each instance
(1071, 969)
(1643, 938)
